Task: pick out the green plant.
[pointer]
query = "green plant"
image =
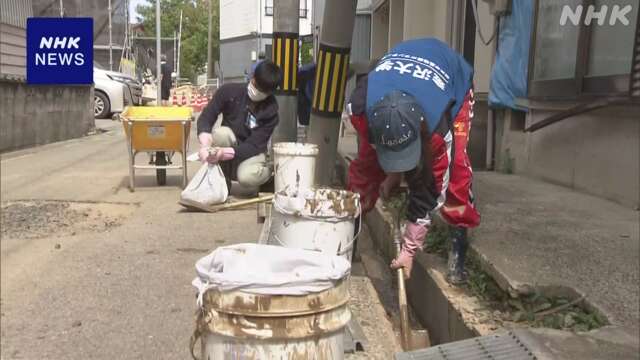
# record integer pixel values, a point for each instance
(195, 25)
(306, 52)
(437, 239)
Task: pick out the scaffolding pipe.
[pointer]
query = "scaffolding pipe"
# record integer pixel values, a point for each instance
(110, 41)
(158, 49)
(179, 43)
(285, 55)
(329, 93)
(210, 44)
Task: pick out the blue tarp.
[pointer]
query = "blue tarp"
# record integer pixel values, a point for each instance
(509, 74)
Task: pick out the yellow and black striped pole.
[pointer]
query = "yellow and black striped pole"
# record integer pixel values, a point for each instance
(331, 76)
(332, 63)
(285, 55)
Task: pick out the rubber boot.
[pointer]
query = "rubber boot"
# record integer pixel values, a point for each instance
(456, 274)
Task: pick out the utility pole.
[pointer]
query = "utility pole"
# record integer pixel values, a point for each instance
(210, 44)
(158, 50)
(331, 74)
(61, 9)
(285, 55)
(110, 40)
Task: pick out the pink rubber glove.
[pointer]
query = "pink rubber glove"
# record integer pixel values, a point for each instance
(413, 239)
(221, 154)
(205, 140)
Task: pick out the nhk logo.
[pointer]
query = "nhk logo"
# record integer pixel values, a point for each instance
(60, 50)
(53, 58)
(617, 14)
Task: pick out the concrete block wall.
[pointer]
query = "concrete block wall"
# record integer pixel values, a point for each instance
(37, 115)
(595, 152)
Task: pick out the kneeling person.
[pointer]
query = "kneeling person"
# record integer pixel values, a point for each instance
(249, 116)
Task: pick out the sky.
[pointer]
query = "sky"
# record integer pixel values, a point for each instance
(132, 9)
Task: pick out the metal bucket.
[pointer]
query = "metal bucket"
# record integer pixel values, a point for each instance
(315, 219)
(295, 165)
(240, 325)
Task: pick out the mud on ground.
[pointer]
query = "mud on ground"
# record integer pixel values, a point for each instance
(39, 219)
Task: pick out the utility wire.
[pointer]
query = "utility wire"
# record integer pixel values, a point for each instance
(479, 28)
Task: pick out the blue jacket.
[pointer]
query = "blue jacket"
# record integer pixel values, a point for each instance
(438, 77)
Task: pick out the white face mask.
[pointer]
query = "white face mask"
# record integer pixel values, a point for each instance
(255, 94)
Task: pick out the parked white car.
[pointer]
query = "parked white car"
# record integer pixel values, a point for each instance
(113, 91)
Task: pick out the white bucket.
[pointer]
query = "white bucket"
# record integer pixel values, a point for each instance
(295, 165)
(241, 325)
(315, 219)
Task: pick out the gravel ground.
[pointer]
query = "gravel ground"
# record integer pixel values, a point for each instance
(38, 219)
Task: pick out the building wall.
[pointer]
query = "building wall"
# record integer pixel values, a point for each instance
(304, 25)
(242, 23)
(238, 18)
(425, 19)
(361, 41)
(13, 51)
(13, 48)
(380, 31)
(483, 53)
(396, 22)
(242, 17)
(595, 152)
(235, 56)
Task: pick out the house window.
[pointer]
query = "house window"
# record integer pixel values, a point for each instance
(587, 58)
(268, 8)
(303, 9)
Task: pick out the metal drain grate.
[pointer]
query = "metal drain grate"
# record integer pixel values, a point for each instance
(495, 347)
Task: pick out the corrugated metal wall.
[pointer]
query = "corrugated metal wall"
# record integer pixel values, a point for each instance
(15, 12)
(13, 37)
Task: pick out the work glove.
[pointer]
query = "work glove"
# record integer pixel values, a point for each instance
(413, 239)
(205, 140)
(391, 182)
(221, 154)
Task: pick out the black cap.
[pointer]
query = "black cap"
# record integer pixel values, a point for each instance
(394, 129)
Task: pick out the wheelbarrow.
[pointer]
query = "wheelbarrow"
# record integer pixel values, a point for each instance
(160, 131)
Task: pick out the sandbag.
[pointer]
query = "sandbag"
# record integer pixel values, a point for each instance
(267, 269)
(207, 187)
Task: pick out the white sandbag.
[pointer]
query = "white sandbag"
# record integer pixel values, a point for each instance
(208, 186)
(268, 270)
